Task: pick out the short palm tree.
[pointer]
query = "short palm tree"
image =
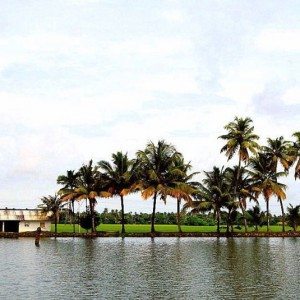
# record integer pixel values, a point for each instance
(293, 216)
(69, 182)
(154, 164)
(213, 194)
(265, 180)
(181, 181)
(120, 177)
(256, 216)
(90, 185)
(52, 204)
(278, 152)
(241, 139)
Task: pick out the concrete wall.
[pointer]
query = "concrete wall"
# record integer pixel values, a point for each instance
(33, 225)
(27, 219)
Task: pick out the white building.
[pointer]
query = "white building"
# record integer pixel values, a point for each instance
(22, 220)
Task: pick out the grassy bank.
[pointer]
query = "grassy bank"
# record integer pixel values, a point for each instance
(138, 228)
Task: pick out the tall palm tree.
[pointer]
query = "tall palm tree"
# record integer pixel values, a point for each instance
(70, 181)
(295, 152)
(155, 163)
(52, 204)
(278, 152)
(241, 139)
(120, 176)
(265, 180)
(243, 190)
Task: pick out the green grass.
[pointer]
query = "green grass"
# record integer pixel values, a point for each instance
(139, 228)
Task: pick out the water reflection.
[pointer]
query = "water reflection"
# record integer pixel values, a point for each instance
(143, 268)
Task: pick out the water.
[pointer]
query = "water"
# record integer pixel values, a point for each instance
(144, 268)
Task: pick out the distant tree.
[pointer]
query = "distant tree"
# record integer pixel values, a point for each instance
(52, 204)
(293, 216)
(256, 216)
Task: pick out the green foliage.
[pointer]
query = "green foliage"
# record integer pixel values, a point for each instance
(86, 220)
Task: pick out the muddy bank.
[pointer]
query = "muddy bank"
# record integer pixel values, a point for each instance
(157, 234)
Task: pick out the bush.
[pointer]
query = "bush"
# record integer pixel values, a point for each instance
(86, 220)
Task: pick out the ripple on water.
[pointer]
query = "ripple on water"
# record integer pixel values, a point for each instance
(144, 268)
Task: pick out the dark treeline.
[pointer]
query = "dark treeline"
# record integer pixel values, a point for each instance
(114, 217)
(160, 172)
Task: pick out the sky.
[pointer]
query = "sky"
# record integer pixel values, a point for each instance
(82, 79)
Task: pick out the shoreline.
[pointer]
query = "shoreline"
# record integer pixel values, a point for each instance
(148, 234)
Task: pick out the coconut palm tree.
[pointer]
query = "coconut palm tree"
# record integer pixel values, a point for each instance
(293, 216)
(213, 194)
(256, 216)
(278, 152)
(243, 184)
(181, 181)
(265, 180)
(241, 139)
(90, 185)
(295, 153)
(120, 177)
(52, 204)
(155, 163)
(69, 182)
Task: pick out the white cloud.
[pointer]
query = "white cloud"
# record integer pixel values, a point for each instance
(148, 46)
(287, 40)
(243, 81)
(292, 96)
(175, 15)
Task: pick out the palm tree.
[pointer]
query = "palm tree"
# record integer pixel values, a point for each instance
(155, 163)
(181, 182)
(256, 216)
(52, 204)
(243, 184)
(120, 176)
(90, 185)
(295, 153)
(294, 216)
(265, 180)
(240, 138)
(213, 194)
(278, 152)
(70, 181)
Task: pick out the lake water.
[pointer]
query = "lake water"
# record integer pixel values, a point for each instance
(144, 268)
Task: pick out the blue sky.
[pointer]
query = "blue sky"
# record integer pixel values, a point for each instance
(81, 79)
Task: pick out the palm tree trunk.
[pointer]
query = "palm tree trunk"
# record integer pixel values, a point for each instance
(228, 221)
(268, 217)
(178, 214)
(123, 217)
(73, 216)
(153, 213)
(283, 215)
(218, 221)
(55, 223)
(92, 215)
(243, 212)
